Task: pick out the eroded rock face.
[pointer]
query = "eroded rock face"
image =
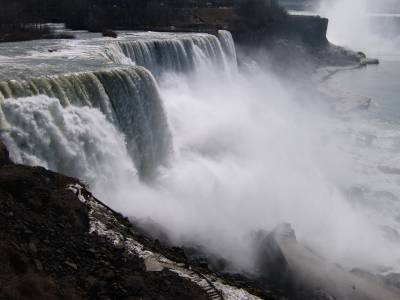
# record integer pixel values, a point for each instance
(4, 155)
(57, 241)
(48, 252)
(271, 264)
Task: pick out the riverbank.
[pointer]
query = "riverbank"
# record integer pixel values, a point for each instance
(30, 33)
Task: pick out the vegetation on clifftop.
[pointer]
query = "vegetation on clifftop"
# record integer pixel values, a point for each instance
(256, 13)
(24, 19)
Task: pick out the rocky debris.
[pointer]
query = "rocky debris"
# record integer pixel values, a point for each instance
(48, 252)
(57, 241)
(65, 244)
(270, 260)
(55, 234)
(104, 222)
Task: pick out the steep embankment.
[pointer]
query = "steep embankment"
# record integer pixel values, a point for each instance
(59, 242)
(296, 43)
(48, 252)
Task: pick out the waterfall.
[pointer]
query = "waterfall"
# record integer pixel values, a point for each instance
(128, 97)
(228, 45)
(76, 141)
(180, 53)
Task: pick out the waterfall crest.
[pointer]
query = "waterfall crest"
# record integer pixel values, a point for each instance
(176, 54)
(128, 97)
(77, 141)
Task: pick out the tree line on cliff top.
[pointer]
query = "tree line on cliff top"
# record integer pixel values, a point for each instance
(128, 14)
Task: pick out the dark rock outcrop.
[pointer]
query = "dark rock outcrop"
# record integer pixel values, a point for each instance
(47, 252)
(4, 155)
(58, 242)
(110, 33)
(308, 30)
(272, 266)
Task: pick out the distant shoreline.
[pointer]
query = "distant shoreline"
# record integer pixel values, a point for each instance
(32, 33)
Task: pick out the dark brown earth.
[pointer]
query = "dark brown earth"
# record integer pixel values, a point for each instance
(46, 251)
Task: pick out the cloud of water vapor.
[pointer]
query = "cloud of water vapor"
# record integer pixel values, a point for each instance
(251, 155)
(360, 25)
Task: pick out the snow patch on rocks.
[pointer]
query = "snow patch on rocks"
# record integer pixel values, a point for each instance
(104, 223)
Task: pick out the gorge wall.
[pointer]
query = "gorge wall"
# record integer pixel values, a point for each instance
(305, 30)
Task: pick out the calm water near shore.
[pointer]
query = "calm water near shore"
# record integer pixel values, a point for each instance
(380, 83)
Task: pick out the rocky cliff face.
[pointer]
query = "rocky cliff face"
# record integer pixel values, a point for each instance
(307, 30)
(57, 241)
(293, 46)
(47, 249)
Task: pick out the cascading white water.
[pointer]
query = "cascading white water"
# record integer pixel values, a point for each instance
(248, 154)
(127, 96)
(77, 141)
(228, 45)
(176, 54)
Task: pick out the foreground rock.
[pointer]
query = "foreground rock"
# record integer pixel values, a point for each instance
(48, 252)
(59, 242)
(4, 155)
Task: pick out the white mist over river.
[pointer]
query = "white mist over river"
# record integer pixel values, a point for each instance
(227, 151)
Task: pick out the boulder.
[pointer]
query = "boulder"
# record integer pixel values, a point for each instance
(271, 263)
(110, 33)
